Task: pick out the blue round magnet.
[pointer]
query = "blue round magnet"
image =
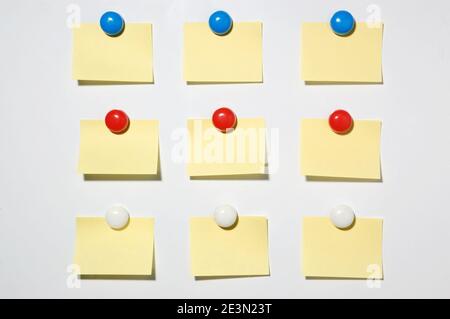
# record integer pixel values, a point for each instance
(342, 23)
(220, 22)
(112, 23)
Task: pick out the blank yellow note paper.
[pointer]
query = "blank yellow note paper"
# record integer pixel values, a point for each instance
(354, 155)
(235, 57)
(240, 152)
(135, 152)
(240, 251)
(101, 250)
(335, 253)
(327, 57)
(125, 58)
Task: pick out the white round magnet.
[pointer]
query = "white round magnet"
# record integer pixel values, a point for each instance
(342, 216)
(225, 216)
(117, 217)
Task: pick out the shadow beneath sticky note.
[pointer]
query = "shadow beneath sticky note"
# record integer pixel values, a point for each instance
(222, 83)
(312, 83)
(121, 177)
(201, 278)
(340, 179)
(152, 276)
(345, 179)
(116, 277)
(264, 177)
(119, 277)
(236, 177)
(340, 278)
(127, 177)
(92, 83)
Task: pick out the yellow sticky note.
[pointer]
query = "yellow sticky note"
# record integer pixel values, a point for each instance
(336, 253)
(353, 155)
(240, 251)
(235, 57)
(125, 58)
(240, 152)
(135, 152)
(327, 57)
(101, 250)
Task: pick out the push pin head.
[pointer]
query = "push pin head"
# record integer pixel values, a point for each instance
(224, 119)
(341, 122)
(117, 217)
(117, 121)
(220, 23)
(225, 216)
(342, 23)
(342, 216)
(112, 23)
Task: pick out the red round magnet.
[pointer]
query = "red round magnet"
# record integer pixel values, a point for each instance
(340, 121)
(117, 121)
(224, 119)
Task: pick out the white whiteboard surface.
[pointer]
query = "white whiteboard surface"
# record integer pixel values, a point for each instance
(41, 192)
